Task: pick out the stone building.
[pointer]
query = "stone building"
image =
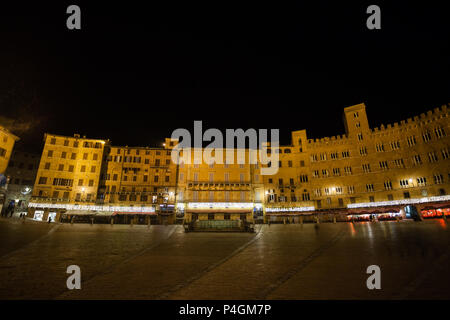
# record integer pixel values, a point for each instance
(7, 141)
(21, 171)
(398, 169)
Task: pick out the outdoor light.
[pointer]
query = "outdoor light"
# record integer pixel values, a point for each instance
(83, 189)
(410, 180)
(17, 200)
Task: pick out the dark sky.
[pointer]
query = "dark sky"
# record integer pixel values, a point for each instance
(135, 72)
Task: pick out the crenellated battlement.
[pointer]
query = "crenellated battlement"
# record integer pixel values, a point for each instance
(390, 128)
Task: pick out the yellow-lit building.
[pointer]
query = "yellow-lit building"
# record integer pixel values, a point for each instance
(85, 179)
(7, 141)
(366, 170)
(228, 192)
(399, 167)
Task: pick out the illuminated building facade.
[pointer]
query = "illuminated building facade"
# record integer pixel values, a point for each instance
(88, 177)
(7, 141)
(365, 170)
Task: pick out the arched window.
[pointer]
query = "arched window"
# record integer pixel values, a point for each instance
(300, 141)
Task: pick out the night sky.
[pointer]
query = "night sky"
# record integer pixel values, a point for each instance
(136, 72)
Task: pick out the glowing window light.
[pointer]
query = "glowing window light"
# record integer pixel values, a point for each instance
(209, 205)
(291, 209)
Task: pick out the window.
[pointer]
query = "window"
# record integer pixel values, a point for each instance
(167, 179)
(445, 154)
(369, 187)
(439, 131)
(355, 115)
(366, 167)
(334, 155)
(80, 182)
(60, 167)
(404, 183)
(388, 185)
(50, 153)
(336, 171)
(399, 163)
(316, 173)
(290, 163)
(432, 157)
(93, 169)
(317, 192)
(155, 179)
(351, 189)
(302, 163)
(47, 166)
(73, 156)
(63, 155)
(383, 165)
(411, 141)
(43, 180)
(85, 156)
(395, 145)
(146, 178)
(345, 154)
(325, 172)
(348, 170)
(75, 144)
(426, 136)
(305, 196)
(438, 179)
(406, 195)
(417, 160)
(62, 182)
(360, 136)
(83, 169)
(304, 177)
(422, 181)
(363, 151)
(379, 147)
(52, 141)
(323, 156)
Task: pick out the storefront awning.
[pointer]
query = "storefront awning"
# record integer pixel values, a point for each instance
(133, 213)
(205, 211)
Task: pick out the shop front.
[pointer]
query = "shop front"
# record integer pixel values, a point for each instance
(289, 215)
(219, 217)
